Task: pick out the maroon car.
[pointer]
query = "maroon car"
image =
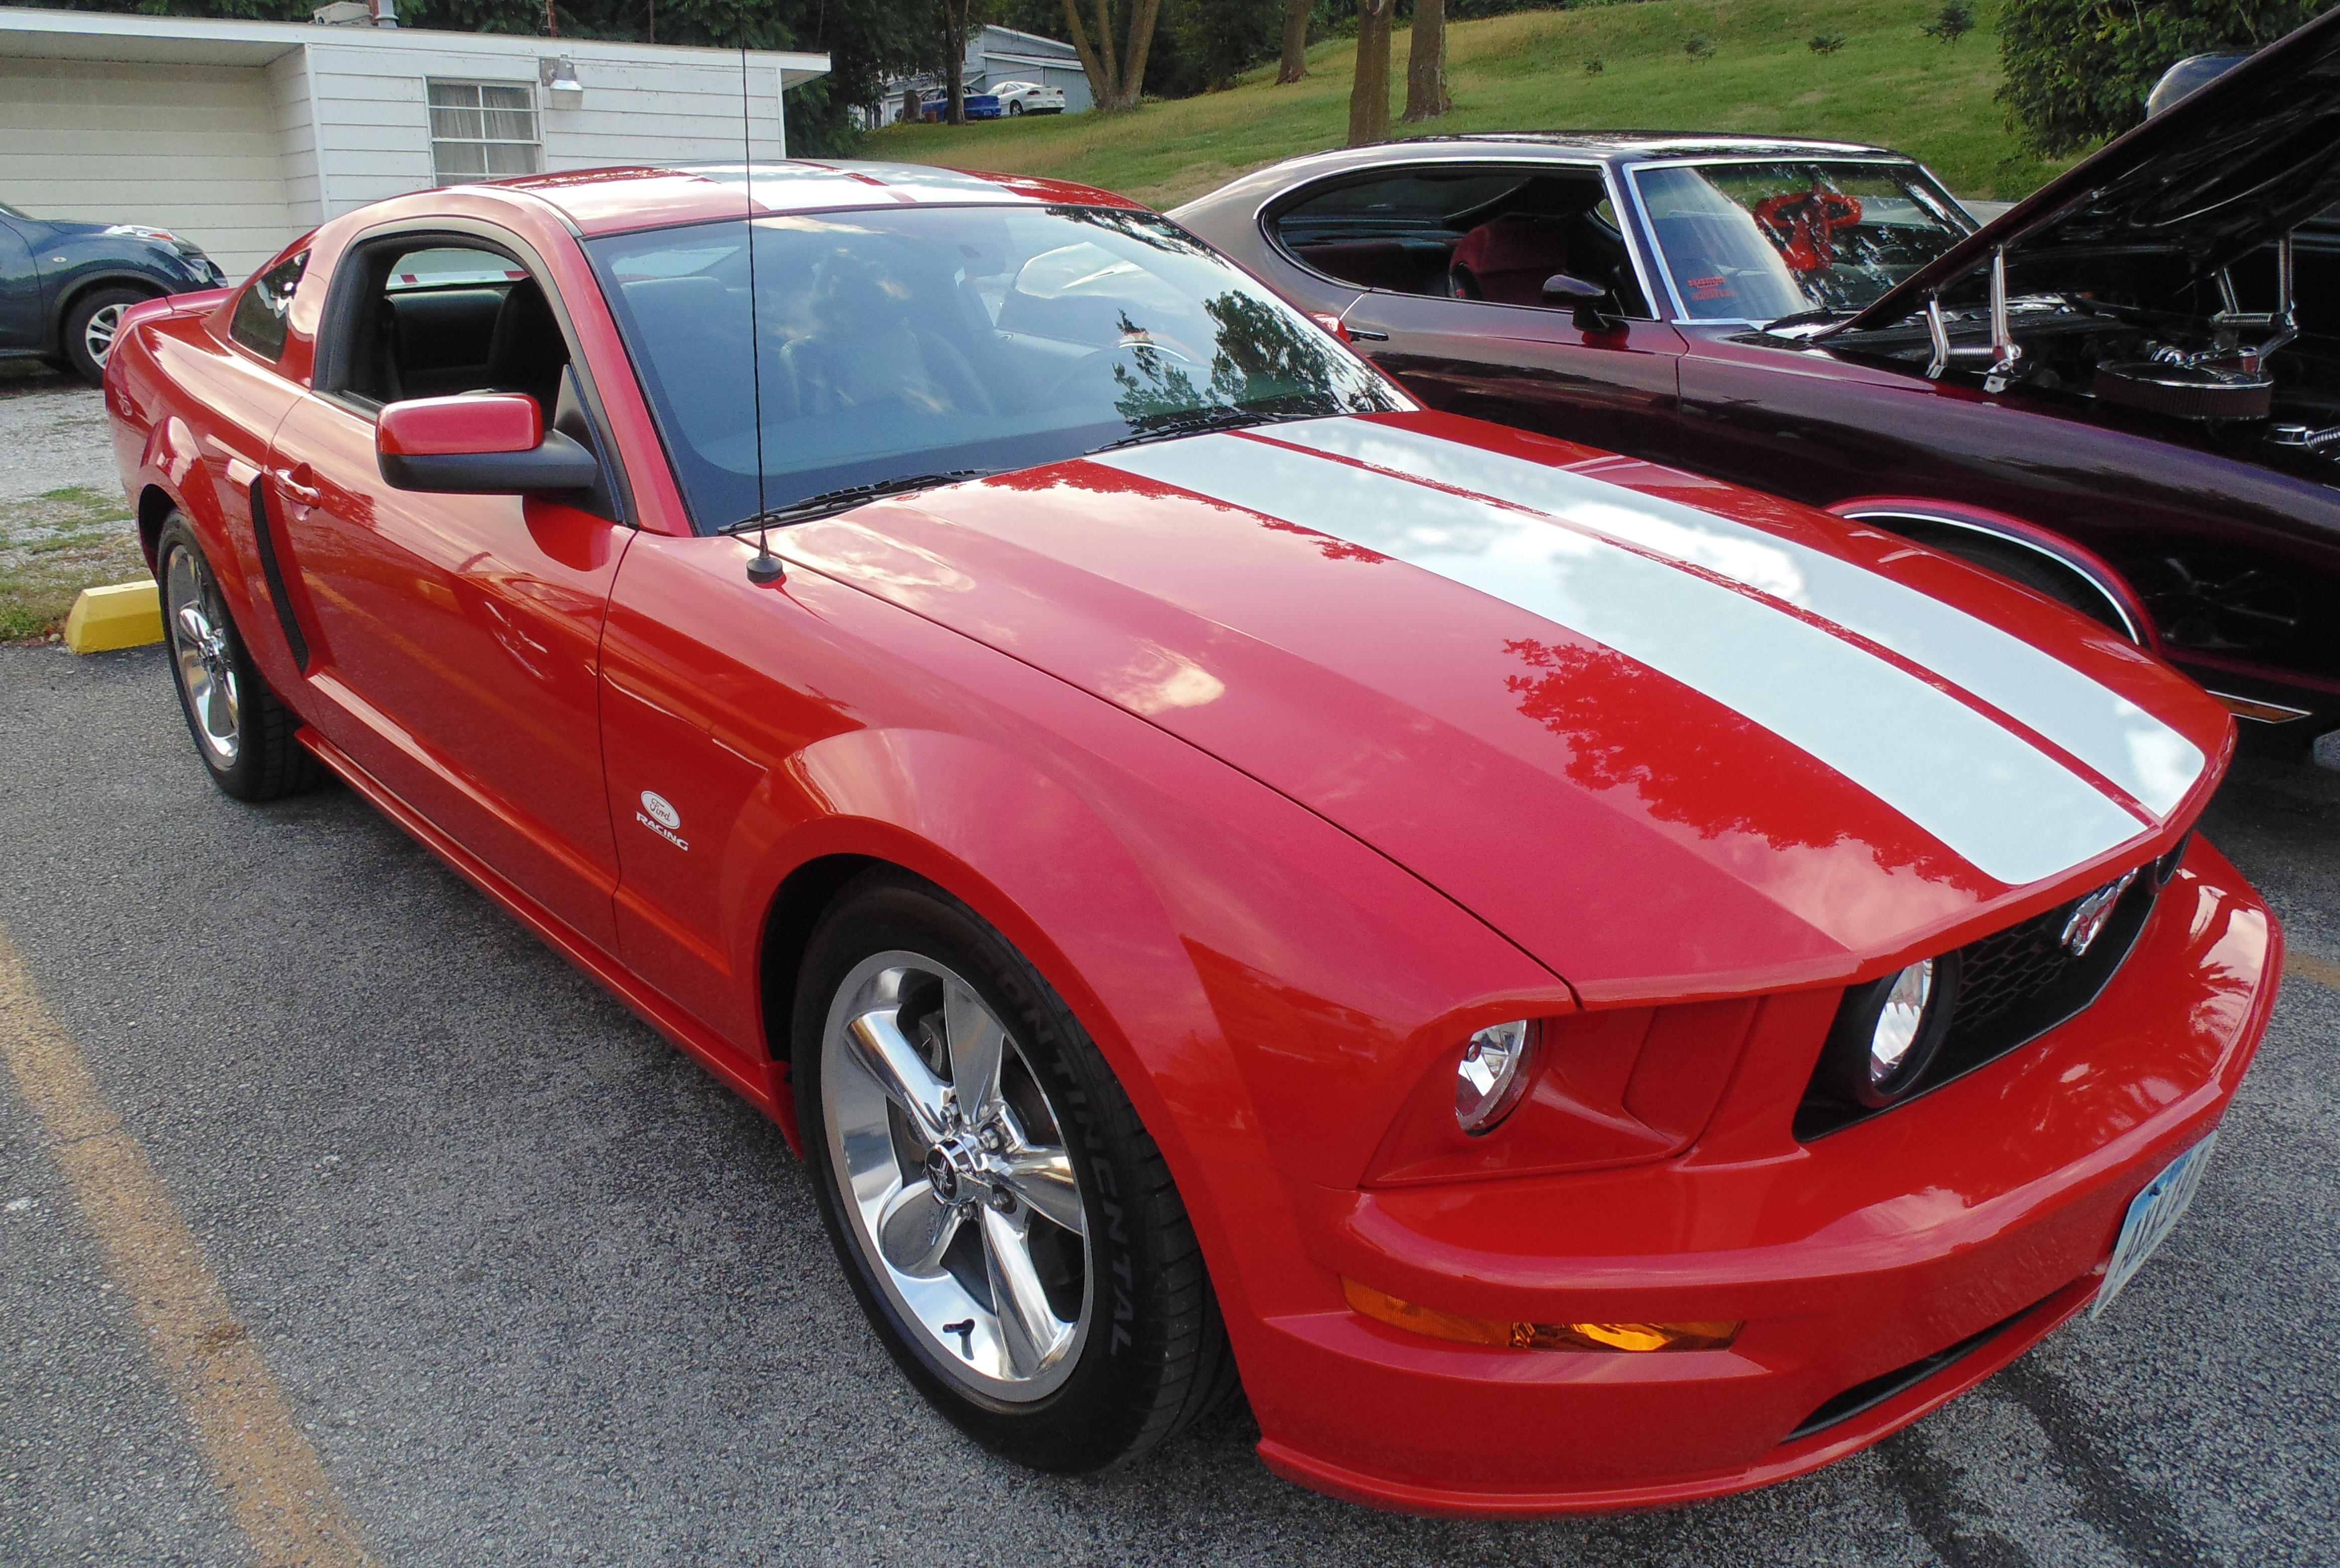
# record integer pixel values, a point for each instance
(2124, 392)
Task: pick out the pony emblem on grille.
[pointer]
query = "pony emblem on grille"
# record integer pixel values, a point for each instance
(2090, 916)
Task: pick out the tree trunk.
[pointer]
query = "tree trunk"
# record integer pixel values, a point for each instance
(1295, 41)
(1141, 16)
(1099, 71)
(954, 62)
(1425, 63)
(1369, 94)
(1115, 81)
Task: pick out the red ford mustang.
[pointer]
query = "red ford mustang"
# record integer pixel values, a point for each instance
(1583, 985)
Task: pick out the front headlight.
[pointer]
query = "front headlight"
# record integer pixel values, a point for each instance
(1493, 1074)
(1887, 1031)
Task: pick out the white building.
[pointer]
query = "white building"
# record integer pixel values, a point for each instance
(997, 54)
(240, 135)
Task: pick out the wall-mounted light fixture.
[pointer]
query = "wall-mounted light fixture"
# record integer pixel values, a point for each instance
(558, 73)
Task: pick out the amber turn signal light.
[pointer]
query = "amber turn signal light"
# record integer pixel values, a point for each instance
(1383, 1307)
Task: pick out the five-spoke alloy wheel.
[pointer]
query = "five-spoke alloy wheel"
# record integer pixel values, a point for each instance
(951, 1164)
(90, 326)
(196, 624)
(241, 728)
(1010, 1228)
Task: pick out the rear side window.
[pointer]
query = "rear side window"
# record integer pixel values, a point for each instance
(1492, 234)
(259, 320)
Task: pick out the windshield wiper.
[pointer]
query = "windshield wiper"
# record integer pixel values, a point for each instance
(1813, 318)
(829, 500)
(1195, 424)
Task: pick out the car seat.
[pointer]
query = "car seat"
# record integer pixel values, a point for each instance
(1506, 261)
(526, 351)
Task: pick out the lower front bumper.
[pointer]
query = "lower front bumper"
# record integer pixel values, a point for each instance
(1974, 1221)
(1797, 1457)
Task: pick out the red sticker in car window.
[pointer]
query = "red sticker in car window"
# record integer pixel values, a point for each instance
(1708, 287)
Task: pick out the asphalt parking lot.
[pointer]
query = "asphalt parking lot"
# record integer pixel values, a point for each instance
(537, 1290)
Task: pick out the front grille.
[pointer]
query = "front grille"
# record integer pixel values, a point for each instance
(2014, 986)
(2011, 966)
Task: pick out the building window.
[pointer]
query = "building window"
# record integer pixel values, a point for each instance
(483, 130)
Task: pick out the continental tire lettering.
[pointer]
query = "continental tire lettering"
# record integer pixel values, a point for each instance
(1113, 1227)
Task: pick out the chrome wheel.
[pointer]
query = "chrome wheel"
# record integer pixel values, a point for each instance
(197, 625)
(957, 1184)
(97, 332)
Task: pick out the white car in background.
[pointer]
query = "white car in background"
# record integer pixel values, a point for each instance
(1030, 98)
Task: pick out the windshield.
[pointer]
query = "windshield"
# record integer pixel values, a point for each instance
(1758, 241)
(8, 211)
(944, 341)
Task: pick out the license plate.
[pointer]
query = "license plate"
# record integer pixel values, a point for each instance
(2153, 1213)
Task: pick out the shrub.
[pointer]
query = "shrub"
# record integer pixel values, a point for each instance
(2078, 71)
(1953, 22)
(1698, 48)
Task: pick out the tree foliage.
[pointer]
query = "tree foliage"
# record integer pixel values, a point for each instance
(2078, 71)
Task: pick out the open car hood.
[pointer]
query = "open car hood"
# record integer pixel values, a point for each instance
(2233, 166)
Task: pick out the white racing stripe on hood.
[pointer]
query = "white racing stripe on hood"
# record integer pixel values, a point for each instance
(2013, 812)
(2136, 750)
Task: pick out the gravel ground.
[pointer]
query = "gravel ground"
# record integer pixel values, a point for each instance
(53, 434)
(540, 1291)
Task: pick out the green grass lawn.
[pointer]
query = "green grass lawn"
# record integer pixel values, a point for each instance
(52, 546)
(1889, 84)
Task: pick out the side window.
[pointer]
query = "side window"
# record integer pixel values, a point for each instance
(438, 319)
(258, 323)
(1492, 234)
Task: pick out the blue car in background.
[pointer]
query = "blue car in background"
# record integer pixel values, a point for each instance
(64, 285)
(933, 110)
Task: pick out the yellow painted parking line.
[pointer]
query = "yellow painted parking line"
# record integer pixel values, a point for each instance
(2323, 971)
(276, 1488)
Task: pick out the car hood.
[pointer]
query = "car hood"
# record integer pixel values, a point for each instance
(1671, 737)
(2233, 166)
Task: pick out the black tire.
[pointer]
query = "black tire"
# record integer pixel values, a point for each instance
(75, 346)
(1159, 1358)
(267, 763)
(1015, 105)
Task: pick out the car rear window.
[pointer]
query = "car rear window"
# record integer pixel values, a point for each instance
(259, 320)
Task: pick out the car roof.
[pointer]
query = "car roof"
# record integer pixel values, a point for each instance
(1634, 146)
(1612, 149)
(615, 200)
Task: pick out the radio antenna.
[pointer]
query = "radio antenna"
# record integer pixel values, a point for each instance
(764, 567)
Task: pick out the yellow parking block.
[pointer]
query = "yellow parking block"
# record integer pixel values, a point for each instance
(125, 615)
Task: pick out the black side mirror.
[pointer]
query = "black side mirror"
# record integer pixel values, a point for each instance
(1561, 291)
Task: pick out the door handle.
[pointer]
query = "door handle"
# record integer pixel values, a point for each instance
(288, 480)
(1367, 335)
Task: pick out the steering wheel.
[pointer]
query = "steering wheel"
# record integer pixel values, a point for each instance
(1803, 224)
